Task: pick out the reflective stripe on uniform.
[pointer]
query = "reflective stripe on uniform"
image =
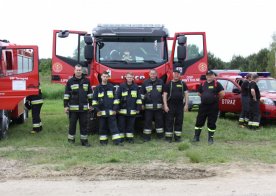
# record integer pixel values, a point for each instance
(110, 94)
(116, 101)
(111, 112)
(123, 111)
(122, 135)
(241, 119)
(74, 107)
(142, 96)
(148, 88)
(35, 125)
(100, 94)
(103, 137)
(94, 102)
(159, 130)
(149, 106)
(85, 87)
(211, 130)
(75, 86)
(89, 96)
(159, 88)
(71, 137)
(129, 135)
(159, 105)
(250, 122)
(198, 128)
(168, 134)
(138, 101)
(83, 137)
(85, 107)
(124, 94)
(133, 112)
(116, 136)
(133, 94)
(255, 124)
(66, 96)
(177, 133)
(37, 101)
(147, 131)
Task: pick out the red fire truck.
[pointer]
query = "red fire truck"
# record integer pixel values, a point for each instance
(18, 79)
(119, 48)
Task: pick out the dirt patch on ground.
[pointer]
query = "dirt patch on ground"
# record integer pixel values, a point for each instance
(10, 169)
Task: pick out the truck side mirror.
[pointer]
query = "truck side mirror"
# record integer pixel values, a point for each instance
(63, 34)
(236, 91)
(88, 53)
(0, 54)
(182, 40)
(181, 53)
(88, 39)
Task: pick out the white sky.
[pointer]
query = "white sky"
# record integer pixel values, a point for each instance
(233, 27)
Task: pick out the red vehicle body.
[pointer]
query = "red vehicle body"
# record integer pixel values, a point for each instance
(18, 79)
(232, 99)
(149, 45)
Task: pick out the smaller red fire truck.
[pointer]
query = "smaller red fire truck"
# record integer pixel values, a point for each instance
(18, 79)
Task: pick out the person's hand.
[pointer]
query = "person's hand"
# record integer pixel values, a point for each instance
(186, 108)
(166, 109)
(66, 110)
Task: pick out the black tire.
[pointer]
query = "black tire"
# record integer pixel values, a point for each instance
(4, 124)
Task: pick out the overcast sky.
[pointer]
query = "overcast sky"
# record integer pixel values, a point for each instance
(233, 27)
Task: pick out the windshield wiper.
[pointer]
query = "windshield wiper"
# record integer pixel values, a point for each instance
(115, 61)
(150, 61)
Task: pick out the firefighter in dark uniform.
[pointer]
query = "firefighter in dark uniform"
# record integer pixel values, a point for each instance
(174, 105)
(210, 92)
(34, 103)
(105, 104)
(244, 116)
(151, 93)
(129, 106)
(254, 103)
(77, 102)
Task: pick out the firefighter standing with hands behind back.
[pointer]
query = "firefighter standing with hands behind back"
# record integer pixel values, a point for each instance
(130, 104)
(105, 104)
(210, 92)
(77, 96)
(173, 97)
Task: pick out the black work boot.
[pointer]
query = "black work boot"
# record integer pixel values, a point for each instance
(197, 135)
(71, 141)
(210, 138)
(85, 143)
(160, 135)
(117, 142)
(168, 139)
(146, 137)
(104, 142)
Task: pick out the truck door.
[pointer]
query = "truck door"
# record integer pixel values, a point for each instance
(195, 60)
(68, 51)
(18, 74)
(231, 102)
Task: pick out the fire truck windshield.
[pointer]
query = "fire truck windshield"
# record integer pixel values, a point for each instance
(131, 52)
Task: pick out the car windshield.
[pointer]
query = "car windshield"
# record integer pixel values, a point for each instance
(267, 85)
(131, 52)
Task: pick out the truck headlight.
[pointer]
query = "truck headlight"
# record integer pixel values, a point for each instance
(267, 101)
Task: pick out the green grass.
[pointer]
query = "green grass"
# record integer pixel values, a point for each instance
(50, 147)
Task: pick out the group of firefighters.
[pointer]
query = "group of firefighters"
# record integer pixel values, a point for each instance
(163, 104)
(250, 94)
(117, 109)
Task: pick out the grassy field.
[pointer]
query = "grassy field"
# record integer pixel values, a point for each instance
(50, 147)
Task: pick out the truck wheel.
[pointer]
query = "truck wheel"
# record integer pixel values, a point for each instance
(4, 125)
(22, 118)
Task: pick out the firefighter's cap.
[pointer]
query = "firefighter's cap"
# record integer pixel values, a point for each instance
(176, 70)
(210, 72)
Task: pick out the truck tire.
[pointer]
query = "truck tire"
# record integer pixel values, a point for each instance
(4, 124)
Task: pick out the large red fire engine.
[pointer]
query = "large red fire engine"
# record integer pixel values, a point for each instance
(136, 48)
(18, 79)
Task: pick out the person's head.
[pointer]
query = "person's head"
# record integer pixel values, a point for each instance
(105, 77)
(210, 76)
(176, 75)
(255, 77)
(153, 74)
(78, 71)
(129, 77)
(248, 76)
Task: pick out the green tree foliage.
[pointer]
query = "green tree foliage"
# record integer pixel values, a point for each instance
(272, 57)
(45, 65)
(215, 62)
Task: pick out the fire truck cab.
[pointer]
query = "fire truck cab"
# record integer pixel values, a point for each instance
(119, 48)
(232, 99)
(18, 79)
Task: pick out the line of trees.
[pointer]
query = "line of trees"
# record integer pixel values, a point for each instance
(262, 61)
